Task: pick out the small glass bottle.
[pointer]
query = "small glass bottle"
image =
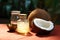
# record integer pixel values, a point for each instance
(13, 24)
(23, 25)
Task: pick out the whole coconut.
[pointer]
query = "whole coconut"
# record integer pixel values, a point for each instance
(37, 13)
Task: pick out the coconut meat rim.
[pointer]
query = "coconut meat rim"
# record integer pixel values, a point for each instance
(43, 24)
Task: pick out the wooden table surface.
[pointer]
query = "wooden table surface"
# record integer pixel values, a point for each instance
(4, 35)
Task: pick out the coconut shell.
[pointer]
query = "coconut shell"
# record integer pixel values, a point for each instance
(37, 13)
(42, 31)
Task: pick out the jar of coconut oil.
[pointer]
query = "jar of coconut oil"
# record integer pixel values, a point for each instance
(23, 25)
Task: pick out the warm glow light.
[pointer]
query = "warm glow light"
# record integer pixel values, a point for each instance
(22, 27)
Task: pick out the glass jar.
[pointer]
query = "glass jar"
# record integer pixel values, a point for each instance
(23, 25)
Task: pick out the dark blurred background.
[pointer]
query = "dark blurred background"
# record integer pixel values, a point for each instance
(26, 6)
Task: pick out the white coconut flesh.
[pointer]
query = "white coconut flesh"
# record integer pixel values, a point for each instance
(43, 24)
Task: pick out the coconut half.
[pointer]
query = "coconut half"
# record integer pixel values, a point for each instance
(43, 26)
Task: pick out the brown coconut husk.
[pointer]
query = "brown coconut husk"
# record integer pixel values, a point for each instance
(38, 13)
